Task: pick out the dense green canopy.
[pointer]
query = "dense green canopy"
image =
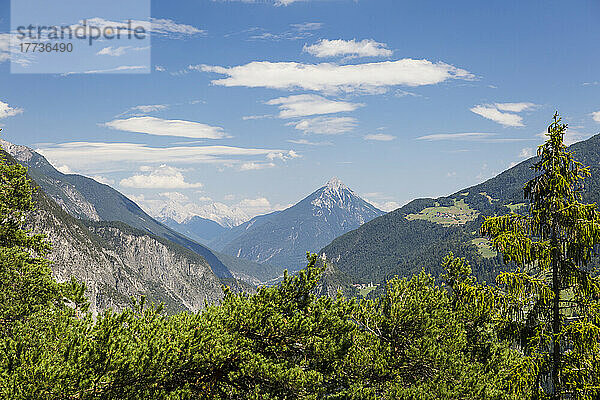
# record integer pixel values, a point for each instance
(425, 337)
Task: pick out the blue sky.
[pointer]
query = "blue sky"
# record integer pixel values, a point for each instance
(253, 105)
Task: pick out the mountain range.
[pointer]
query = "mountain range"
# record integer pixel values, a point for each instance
(418, 235)
(106, 240)
(117, 262)
(86, 199)
(283, 238)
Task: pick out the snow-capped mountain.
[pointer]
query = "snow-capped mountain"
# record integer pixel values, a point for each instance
(283, 238)
(183, 212)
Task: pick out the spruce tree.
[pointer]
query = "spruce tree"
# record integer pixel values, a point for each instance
(550, 303)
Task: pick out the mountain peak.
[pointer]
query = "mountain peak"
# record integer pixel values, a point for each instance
(336, 184)
(21, 153)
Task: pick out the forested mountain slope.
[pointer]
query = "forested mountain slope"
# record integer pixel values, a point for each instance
(422, 232)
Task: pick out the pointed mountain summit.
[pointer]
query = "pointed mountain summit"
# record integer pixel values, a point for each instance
(282, 239)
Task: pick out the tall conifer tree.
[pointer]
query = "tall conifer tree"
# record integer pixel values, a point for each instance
(551, 300)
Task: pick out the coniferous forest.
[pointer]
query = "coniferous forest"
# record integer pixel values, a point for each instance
(533, 333)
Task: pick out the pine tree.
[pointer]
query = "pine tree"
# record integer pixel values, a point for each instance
(550, 302)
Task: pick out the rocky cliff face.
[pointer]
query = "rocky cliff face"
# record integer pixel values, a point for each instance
(117, 262)
(86, 199)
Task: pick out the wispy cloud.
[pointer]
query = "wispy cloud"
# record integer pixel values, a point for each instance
(572, 136)
(294, 32)
(4, 47)
(307, 104)
(99, 157)
(163, 127)
(503, 118)
(259, 206)
(309, 143)
(123, 68)
(144, 109)
(596, 116)
(118, 51)
(456, 136)
(381, 201)
(495, 112)
(515, 107)
(254, 166)
(369, 77)
(380, 137)
(348, 48)
(282, 155)
(325, 125)
(526, 152)
(163, 177)
(307, 26)
(276, 3)
(157, 26)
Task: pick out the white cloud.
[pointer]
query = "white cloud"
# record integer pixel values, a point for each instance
(325, 125)
(169, 27)
(282, 155)
(148, 108)
(103, 179)
(380, 137)
(309, 104)
(255, 117)
(308, 143)
(596, 116)
(163, 177)
(98, 157)
(381, 201)
(387, 206)
(494, 112)
(404, 93)
(16, 56)
(526, 152)
(503, 118)
(258, 206)
(158, 26)
(118, 51)
(8, 111)
(4, 46)
(456, 136)
(254, 166)
(286, 2)
(163, 127)
(307, 26)
(348, 48)
(274, 2)
(159, 68)
(141, 68)
(65, 169)
(326, 77)
(572, 136)
(296, 32)
(515, 107)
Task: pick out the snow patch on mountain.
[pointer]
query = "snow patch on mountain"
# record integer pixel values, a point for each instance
(181, 210)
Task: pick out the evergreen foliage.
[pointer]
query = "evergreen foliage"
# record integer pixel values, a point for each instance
(551, 304)
(534, 335)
